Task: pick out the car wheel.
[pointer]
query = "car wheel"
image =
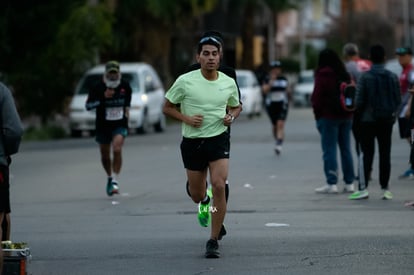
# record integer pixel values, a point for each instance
(161, 124)
(145, 126)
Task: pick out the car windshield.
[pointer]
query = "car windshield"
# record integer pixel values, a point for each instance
(91, 80)
(242, 81)
(306, 78)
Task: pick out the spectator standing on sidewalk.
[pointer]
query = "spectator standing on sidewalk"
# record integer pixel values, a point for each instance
(405, 56)
(355, 66)
(333, 123)
(377, 99)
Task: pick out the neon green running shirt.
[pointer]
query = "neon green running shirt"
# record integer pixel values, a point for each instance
(197, 95)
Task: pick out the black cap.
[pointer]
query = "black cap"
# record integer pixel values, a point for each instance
(403, 51)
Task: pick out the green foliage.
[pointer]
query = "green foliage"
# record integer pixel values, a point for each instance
(365, 29)
(290, 65)
(44, 133)
(63, 39)
(87, 30)
(280, 5)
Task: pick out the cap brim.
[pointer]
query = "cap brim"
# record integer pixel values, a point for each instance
(112, 70)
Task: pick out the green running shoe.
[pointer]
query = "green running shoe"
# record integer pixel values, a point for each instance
(209, 192)
(204, 215)
(359, 195)
(387, 195)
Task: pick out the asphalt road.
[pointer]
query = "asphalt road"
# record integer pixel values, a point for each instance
(276, 223)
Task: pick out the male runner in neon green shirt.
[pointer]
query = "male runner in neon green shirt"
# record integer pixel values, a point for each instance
(204, 95)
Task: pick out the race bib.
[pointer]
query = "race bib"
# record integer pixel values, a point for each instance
(277, 96)
(114, 113)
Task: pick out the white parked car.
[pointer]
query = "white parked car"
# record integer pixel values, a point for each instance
(251, 93)
(303, 88)
(146, 102)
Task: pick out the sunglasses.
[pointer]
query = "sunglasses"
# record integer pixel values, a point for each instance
(209, 38)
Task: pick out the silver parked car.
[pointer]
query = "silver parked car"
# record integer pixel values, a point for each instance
(146, 102)
(303, 88)
(251, 93)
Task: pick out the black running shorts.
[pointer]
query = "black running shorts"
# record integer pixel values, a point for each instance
(106, 136)
(277, 111)
(4, 189)
(198, 152)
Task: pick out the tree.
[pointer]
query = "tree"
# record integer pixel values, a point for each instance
(249, 11)
(368, 28)
(143, 29)
(41, 55)
(46, 47)
(276, 7)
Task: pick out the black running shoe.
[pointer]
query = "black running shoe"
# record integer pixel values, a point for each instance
(222, 233)
(212, 249)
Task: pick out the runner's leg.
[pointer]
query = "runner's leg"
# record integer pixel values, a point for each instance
(117, 143)
(218, 176)
(105, 150)
(197, 184)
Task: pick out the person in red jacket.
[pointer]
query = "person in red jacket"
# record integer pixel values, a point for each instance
(333, 123)
(405, 56)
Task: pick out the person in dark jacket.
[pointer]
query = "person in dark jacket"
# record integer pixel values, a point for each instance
(10, 137)
(333, 123)
(372, 127)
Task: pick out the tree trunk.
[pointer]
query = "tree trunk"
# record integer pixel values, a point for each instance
(247, 36)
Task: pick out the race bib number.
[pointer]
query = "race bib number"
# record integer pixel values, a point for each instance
(277, 96)
(114, 113)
